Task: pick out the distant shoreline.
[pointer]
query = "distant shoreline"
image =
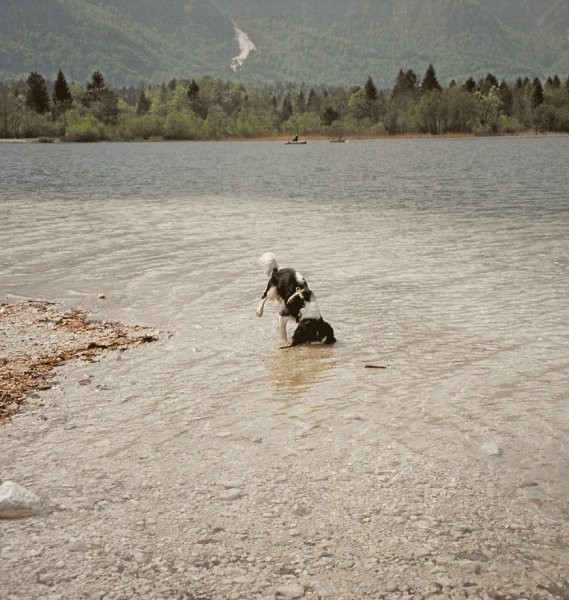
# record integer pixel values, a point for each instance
(309, 138)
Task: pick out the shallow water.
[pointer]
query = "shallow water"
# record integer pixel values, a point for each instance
(447, 261)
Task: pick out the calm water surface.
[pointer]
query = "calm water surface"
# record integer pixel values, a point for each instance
(445, 260)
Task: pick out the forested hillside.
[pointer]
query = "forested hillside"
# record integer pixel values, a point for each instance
(130, 40)
(317, 41)
(333, 41)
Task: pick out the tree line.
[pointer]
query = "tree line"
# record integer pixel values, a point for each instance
(209, 108)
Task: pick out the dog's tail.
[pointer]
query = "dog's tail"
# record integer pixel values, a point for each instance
(269, 263)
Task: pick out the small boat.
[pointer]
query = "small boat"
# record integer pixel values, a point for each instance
(296, 142)
(338, 140)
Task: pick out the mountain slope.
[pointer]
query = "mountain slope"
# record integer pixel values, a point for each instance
(129, 40)
(317, 41)
(359, 37)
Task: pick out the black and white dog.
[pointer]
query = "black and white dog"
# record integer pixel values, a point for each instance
(289, 287)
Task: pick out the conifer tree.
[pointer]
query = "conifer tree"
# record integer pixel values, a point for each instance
(286, 109)
(143, 105)
(485, 85)
(96, 87)
(405, 84)
(313, 102)
(193, 90)
(37, 97)
(370, 89)
(536, 93)
(329, 116)
(469, 85)
(197, 103)
(430, 81)
(506, 96)
(102, 100)
(62, 98)
(301, 103)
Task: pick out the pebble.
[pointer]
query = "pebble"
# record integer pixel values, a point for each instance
(46, 578)
(232, 484)
(491, 448)
(231, 494)
(77, 546)
(17, 502)
(300, 511)
(290, 591)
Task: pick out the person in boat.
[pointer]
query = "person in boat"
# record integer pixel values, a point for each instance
(295, 138)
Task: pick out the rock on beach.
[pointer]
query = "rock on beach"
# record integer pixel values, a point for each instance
(17, 502)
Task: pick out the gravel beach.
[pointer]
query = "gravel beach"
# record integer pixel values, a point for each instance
(202, 515)
(156, 443)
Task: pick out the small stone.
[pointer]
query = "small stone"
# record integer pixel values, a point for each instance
(243, 579)
(17, 502)
(101, 296)
(290, 591)
(345, 564)
(300, 511)
(232, 484)
(77, 546)
(491, 448)
(46, 578)
(231, 494)
(391, 587)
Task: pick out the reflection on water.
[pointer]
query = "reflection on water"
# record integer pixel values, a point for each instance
(295, 371)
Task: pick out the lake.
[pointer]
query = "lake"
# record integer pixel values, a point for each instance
(444, 260)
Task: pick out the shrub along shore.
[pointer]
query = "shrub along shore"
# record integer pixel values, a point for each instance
(211, 109)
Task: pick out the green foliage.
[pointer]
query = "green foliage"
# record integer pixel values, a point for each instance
(83, 127)
(142, 127)
(430, 112)
(182, 126)
(489, 110)
(209, 108)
